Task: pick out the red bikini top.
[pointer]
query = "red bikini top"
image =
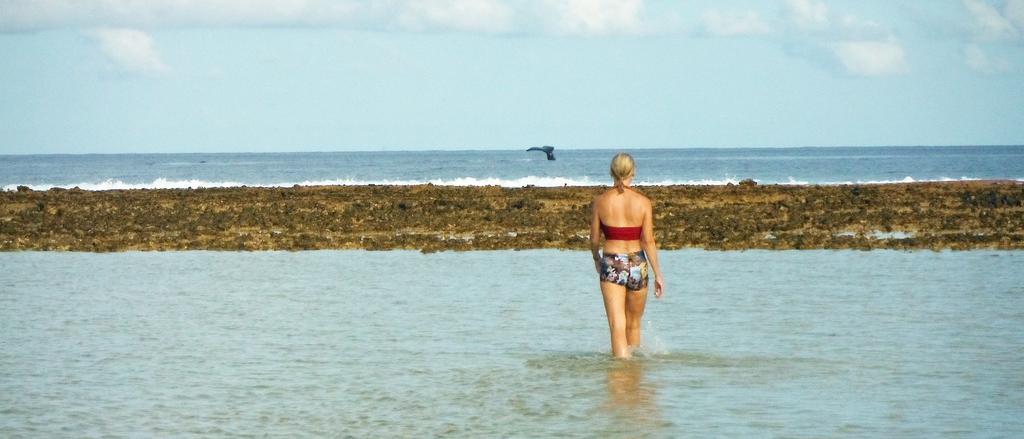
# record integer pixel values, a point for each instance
(621, 233)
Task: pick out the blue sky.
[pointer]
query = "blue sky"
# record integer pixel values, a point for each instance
(95, 76)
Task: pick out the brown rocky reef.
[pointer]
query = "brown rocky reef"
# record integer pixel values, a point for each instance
(957, 215)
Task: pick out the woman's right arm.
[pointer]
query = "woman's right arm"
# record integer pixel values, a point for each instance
(651, 248)
(595, 235)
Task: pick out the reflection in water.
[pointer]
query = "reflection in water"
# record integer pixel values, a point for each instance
(632, 400)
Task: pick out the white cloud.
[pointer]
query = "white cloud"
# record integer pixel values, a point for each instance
(47, 14)
(863, 47)
(488, 16)
(734, 23)
(131, 50)
(571, 17)
(860, 46)
(871, 58)
(1015, 12)
(595, 17)
(808, 14)
(989, 23)
(981, 62)
(857, 28)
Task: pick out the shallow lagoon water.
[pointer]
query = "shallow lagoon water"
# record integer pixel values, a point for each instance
(509, 343)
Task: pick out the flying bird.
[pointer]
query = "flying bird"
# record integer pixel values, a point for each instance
(549, 150)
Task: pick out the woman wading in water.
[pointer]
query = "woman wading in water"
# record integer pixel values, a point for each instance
(625, 217)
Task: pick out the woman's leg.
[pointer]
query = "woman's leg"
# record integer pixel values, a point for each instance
(615, 306)
(636, 301)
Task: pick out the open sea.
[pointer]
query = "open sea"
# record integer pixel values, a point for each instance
(514, 168)
(812, 343)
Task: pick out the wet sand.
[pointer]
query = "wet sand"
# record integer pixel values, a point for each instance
(947, 215)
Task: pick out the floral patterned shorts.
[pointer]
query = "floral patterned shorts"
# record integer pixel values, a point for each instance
(627, 269)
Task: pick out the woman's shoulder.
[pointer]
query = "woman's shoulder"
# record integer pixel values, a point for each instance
(604, 195)
(640, 197)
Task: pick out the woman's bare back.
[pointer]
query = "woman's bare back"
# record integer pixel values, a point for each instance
(621, 209)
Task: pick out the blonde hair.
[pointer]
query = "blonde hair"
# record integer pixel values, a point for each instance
(622, 168)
